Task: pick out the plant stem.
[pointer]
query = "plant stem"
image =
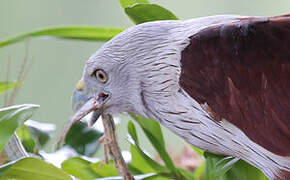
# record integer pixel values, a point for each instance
(113, 147)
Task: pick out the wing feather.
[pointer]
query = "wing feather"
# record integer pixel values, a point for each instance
(241, 70)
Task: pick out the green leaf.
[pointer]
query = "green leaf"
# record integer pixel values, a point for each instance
(224, 165)
(153, 131)
(244, 171)
(32, 168)
(132, 131)
(105, 170)
(133, 169)
(187, 174)
(150, 126)
(198, 151)
(40, 132)
(90, 33)
(34, 135)
(26, 139)
(11, 118)
(83, 139)
(211, 167)
(140, 13)
(5, 86)
(79, 168)
(227, 168)
(141, 160)
(4, 169)
(198, 172)
(127, 3)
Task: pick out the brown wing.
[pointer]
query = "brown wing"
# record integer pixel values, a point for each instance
(242, 71)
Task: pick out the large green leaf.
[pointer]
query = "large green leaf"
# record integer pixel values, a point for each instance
(32, 168)
(91, 33)
(83, 139)
(140, 13)
(11, 118)
(79, 168)
(5, 86)
(128, 3)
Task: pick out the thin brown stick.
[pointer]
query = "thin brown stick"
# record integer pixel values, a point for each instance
(7, 81)
(21, 74)
(14, 149)
(111, 145)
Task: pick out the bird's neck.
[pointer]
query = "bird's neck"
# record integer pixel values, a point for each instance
(182, 115)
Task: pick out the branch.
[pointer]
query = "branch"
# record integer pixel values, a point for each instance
(111, 146)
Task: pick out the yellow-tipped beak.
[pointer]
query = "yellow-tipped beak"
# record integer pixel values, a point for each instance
(80, 85)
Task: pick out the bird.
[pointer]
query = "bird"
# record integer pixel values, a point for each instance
(221, 83)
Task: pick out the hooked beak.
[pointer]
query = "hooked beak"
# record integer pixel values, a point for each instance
(84, 103)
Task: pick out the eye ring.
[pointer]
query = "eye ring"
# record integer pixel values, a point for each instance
(101, 75)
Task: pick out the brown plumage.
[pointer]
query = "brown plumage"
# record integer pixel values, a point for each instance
(241, 70)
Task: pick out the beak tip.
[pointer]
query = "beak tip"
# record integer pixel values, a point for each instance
(80, 85)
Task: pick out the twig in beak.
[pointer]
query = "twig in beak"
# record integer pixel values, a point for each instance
(113, 147)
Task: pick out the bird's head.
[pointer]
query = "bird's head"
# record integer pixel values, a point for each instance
(137, 69)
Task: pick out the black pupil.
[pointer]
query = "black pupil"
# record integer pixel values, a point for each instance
(101, 76)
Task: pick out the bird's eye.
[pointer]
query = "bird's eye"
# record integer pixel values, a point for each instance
(101, 75)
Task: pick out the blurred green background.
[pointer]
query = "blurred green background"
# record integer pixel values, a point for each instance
(58, 64)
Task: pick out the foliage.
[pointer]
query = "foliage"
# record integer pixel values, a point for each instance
(4, 86)
(89, 33)
(140, 13)
(11, 118)
(32, 168)
(84, 140)
(227, 168)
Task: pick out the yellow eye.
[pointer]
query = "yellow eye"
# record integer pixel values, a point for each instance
(101, 75)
